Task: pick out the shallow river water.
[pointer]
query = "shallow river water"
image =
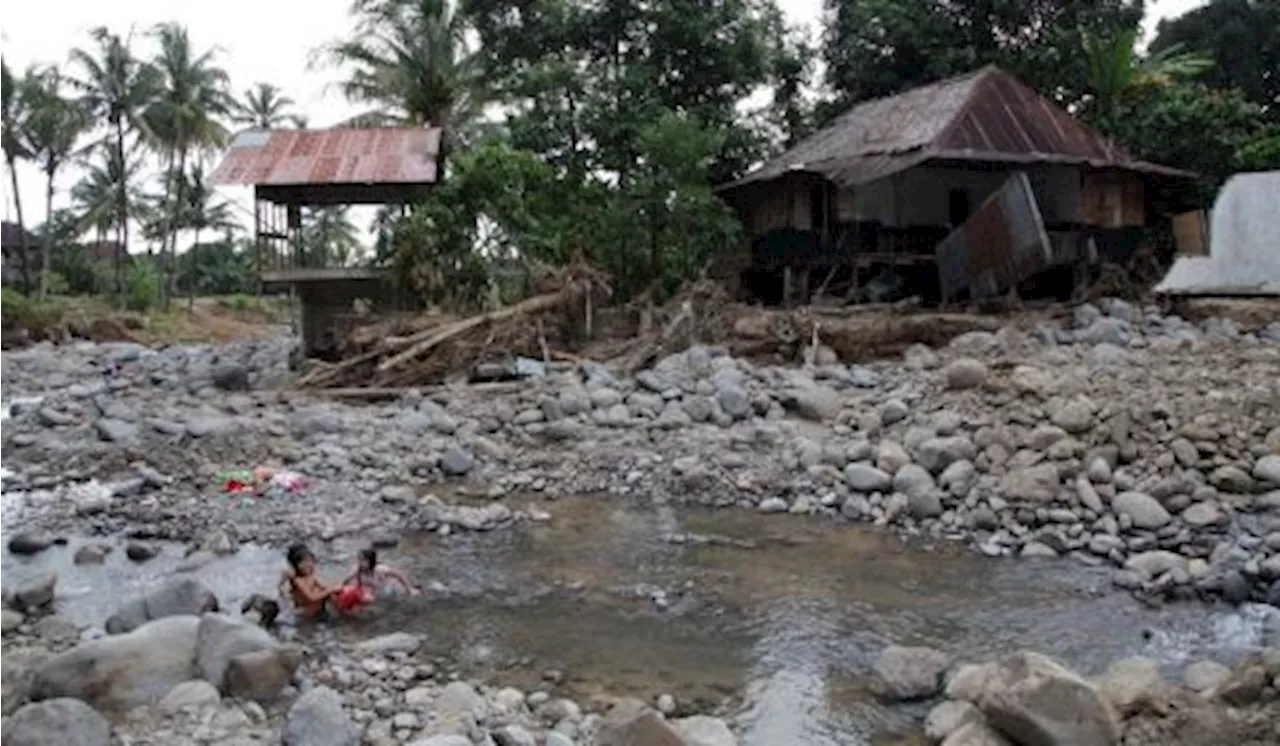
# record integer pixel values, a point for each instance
(773, 619)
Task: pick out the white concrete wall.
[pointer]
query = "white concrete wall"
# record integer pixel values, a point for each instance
(1244, 243)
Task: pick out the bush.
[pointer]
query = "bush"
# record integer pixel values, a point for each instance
(37, 317)
(143, 287)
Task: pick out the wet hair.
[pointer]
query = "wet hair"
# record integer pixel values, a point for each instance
(369, 555)
(297, 553)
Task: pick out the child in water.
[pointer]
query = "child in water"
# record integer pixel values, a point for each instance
(369, 580)
(299, 584)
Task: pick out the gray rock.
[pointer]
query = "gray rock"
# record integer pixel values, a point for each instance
(890, 456)
(813, 402)
(173, 597)
(734, 401)
(1076, 416)
(90, 554)
(975, 734)
(18, 667)
(698, 407)
(1156, 562)
(893, 411)
(1203, 676)
(1144, 510)
(924, 505)
(905, 673)
(1105, 331)
(773, 505)
(139, 552)
(394, 642)
(1129, 682)
(514, 735)
(35, 594)
(1031, 699)
(457, 461)
(1203, 514)
(123, 671)
(448, 740)
(10, 620)
(230, 377)
(317, 718)
(57, 722)
(949, 716)
(913, 479)
(701, 730)
(864, 477)
(936, 454)
(116, 431)
(24, 543)
(1033, 484)
(222, 640)
(964, 373)
(458, 698)
(196, 694)
(1185, 452)
(1231, 479)
(1267, 469)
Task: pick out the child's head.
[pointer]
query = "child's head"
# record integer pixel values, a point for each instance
(301, 559)
(368, 559)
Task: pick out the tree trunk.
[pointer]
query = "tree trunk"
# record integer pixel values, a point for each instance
(48, 237)
(22, 230)
(176, 225)
(122, 210)
(191, 286)
(168, 192)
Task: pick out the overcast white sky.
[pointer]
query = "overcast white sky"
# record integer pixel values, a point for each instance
(260, 40)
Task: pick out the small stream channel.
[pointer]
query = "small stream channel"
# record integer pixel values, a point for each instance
(773, 618)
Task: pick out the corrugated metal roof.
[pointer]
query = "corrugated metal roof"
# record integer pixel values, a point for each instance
(375, 155)
(986, 115)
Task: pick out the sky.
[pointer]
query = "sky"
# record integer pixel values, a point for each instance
(258, 40)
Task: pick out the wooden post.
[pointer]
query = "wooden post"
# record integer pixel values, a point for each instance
(786, 286)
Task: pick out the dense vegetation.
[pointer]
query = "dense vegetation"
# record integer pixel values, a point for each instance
(595, 129)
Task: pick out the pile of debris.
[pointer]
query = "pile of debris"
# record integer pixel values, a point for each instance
(569, 321)
(426, 349)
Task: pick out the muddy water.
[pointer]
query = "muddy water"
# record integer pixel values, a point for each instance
(772, 619)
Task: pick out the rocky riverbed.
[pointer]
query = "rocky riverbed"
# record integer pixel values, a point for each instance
(1142, 449)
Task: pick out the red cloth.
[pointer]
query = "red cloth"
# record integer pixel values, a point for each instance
(352, 597)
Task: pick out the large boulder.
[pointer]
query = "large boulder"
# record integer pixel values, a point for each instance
(905, 673)
(318, 719)
(1034, 701)
(175, 596)
(243, 659)
(1144, 510)
(57, 722)
(1130, 683)
(632, 723)
(37, 594)
(701, 730)
(123, 671)
(18, 669)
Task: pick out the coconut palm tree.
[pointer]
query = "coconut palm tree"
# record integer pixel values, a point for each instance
(1116, 68)
(116, 86)
(55, 124)
(184, 116)
(329, 238)
(16, 148)
(95, 196)
(262, 107)
(204, 211)
(411, 60)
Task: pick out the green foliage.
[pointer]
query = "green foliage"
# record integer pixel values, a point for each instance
(1261, 153)
(504, 205)
(142, 291)
(876, 48)
(216, 268)
(18, 311)
(1243, 39)
(1188, 125)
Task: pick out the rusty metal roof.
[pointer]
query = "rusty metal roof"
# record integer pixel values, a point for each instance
(986, 115)
(375, 155)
